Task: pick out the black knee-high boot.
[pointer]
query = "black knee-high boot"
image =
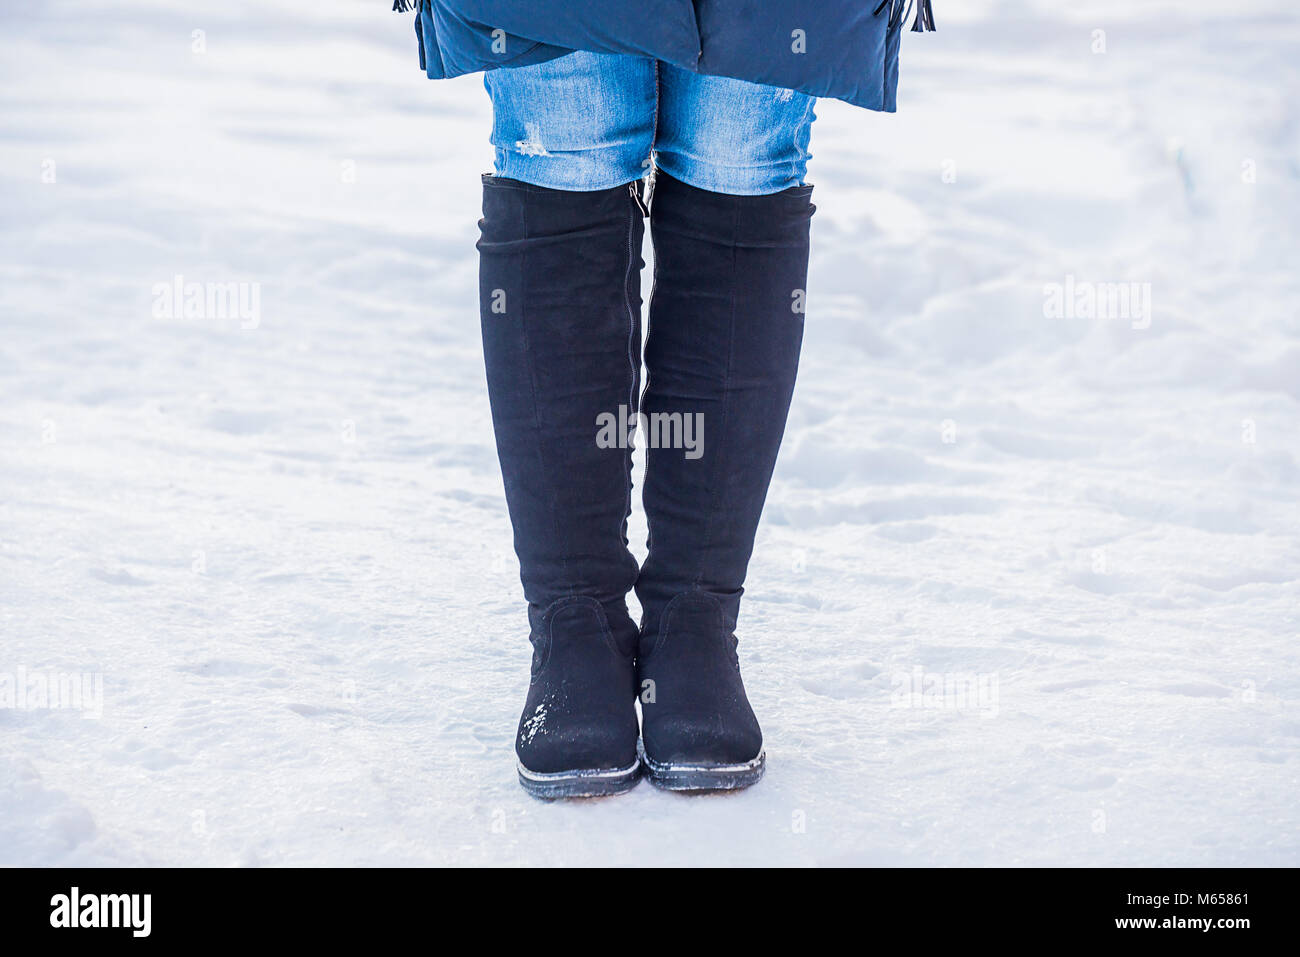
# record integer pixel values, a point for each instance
(559, 285)
(726, 324)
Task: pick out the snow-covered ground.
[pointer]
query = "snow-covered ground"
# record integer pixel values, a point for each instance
(280, 544)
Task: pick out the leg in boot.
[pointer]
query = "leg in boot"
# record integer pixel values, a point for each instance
(726, 323)
(560, 303)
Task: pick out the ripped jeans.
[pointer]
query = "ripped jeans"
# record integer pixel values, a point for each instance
(591, 121)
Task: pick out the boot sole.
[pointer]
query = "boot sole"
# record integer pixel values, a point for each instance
(704, 777)
(579, 784)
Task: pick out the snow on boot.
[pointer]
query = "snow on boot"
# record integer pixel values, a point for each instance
(577, 734)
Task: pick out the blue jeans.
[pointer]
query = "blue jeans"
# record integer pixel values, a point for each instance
(591, 121)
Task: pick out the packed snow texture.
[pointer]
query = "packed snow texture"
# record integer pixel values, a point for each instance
(278, 538)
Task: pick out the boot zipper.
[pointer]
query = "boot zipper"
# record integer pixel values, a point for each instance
(633, 346)
(636, 198)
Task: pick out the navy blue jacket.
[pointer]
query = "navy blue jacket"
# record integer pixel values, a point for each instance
(845, 49)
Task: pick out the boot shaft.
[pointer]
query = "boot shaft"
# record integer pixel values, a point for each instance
(560, 307)
(726, 325)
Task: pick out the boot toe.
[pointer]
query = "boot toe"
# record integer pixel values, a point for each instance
(587, 743)
(701, 739)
